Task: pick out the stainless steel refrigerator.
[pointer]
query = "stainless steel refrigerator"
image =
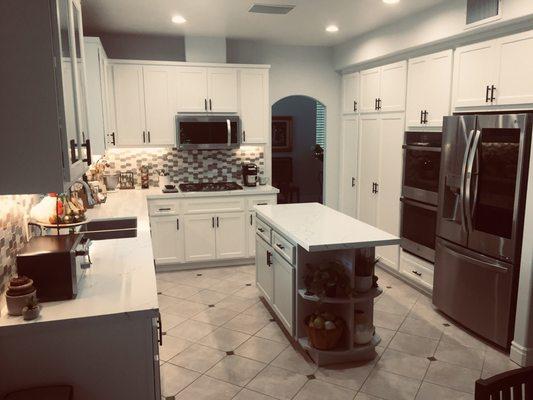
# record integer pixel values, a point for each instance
(482, 189)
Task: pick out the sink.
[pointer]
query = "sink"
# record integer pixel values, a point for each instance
(110, 228)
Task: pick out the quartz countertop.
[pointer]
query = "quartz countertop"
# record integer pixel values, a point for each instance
(316, 227)
(122, 277)
(155, 193)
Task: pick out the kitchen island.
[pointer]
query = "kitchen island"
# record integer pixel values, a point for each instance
(291, 238)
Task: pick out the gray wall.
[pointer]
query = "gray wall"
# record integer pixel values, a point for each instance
(301, 70)
(143, 47)
(307, 171)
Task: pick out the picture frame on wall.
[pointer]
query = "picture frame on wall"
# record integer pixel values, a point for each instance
(281, 134)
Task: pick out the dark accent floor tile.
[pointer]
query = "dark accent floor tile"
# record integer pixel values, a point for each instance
(311, 377)
(248, 284)
(229, 353)
(198, 274)
(446, 324)
(211, 305)
(432, 358)
(272, 320)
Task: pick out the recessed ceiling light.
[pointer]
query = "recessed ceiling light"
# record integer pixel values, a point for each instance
(391, 1)
(178, 19)
(332, 28)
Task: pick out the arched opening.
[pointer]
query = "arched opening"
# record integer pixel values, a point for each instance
(298, 146)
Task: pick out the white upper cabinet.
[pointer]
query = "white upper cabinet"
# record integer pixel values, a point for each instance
(370, 89)
(202, 89)
(383, 88)
(160, 122)
(429, 85)
(495, 73)
(369, 144)
(254, 105)
(349, 157)
(129, 105)
(191, 89)
(515, 84)
(222, 90)
(474, 73)
(111, 123)
(393, 82)
(350, 93)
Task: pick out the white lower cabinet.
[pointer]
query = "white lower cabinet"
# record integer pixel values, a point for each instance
(190, 230)
(231, 235)
(167, 238)
(348, 183)
(264, 272)
(200, 237)
(275, 278)
(283, 290)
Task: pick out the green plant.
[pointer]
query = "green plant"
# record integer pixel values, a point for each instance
(327, 280)
(32, 303)
(365, 265)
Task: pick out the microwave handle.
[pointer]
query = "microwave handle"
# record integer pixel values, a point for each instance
(228, 125)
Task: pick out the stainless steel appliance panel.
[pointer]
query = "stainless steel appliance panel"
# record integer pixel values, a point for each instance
(458, 135)
(418, 226)
(493, 185)
(474, 290)
(208, 131)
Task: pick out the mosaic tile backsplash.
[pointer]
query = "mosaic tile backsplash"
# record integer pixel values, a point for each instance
(13, 210)
(187, 166)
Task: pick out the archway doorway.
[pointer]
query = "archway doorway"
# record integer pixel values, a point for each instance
(298, 145)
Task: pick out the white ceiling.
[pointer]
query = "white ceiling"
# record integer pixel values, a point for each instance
(304, 25)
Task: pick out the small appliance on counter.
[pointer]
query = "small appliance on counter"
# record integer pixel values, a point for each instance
(56, 264)
(249, 174)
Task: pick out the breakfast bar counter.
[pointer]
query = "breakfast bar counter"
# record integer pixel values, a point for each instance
(315, 271)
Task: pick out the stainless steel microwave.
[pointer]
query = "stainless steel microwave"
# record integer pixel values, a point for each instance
(208, 131)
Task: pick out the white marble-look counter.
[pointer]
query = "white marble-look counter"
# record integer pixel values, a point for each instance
(122, 277)
(155, 193)
(316, 227)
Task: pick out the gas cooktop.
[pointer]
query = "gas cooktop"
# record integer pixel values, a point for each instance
(209, 187)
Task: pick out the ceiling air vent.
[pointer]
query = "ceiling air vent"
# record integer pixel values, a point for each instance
(278, 9)
(478, 11)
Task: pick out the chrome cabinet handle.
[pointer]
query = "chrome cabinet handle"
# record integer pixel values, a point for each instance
(261, 230)
(416, 273)
(269, 258)
(280, 246)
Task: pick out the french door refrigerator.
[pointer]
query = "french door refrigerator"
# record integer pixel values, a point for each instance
(482, 188)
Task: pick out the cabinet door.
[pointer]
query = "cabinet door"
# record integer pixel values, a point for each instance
(370, 88)
(515, 84)
(199, 234)
(284, 291)
(254, 105)
(191, 89)
(111, 136)
(369, 128)
(350, 93)
(349, 156)
(160, 121)
(263, 268)
(393, 84)
(417, 83)
(167, 239)
(231, 235)
(129, 105)
(438, 87)
(474, 71)
(250, 224)
(390, 181)
(222, 89)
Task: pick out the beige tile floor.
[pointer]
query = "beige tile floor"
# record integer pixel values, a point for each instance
(220, 343)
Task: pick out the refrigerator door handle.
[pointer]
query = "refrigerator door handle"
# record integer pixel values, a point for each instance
(484, 262)
(468, 181)
(462, 188)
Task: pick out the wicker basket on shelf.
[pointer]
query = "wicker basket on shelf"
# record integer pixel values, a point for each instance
(324, 339)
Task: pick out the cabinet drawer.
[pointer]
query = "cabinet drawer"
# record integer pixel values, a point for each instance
(263, 230)
(259, 201)
(416, 272)
(285, 248)
(163, 207)
(213, 205)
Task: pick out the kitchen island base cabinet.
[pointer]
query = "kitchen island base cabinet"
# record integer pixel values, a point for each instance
(106, 357)
(283, 259)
